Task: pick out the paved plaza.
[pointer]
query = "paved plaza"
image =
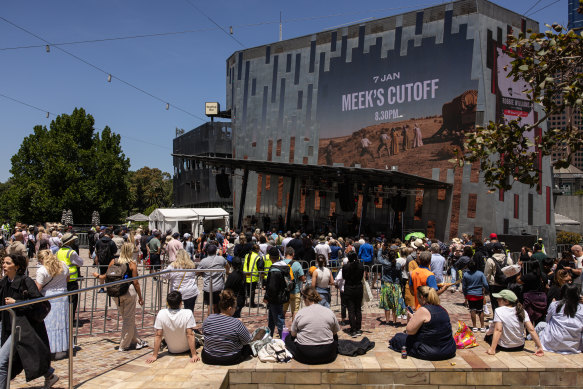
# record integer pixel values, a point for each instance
(98, 364)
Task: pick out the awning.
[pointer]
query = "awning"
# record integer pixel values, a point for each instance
(351, 174)
(138, 217)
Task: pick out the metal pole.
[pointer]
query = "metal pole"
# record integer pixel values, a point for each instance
(211, 309)
(14, 339)
(70, 342)
(290, 204)
(243, 195)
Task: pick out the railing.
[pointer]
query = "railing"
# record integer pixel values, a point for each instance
(16, 330)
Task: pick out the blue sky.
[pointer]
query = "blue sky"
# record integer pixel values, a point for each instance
(183, 69)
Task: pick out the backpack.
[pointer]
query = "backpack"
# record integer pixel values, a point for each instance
(280, 283)
(91, 237)
(117, 272)
(103, 251)
(499, 276)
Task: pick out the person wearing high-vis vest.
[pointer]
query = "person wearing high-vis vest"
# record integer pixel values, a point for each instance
(70, 258)
(251, 267)
(271, 257)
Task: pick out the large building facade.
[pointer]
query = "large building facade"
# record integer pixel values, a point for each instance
(575, 17)
(195, 184)
(396, 93)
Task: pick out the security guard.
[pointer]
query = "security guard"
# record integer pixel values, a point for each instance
(71, 258)
(252, 265)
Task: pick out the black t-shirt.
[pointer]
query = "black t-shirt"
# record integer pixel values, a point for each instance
(236, 282)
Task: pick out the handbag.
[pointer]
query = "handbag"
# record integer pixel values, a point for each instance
(38, 311)
(274, 351)
(464, 337)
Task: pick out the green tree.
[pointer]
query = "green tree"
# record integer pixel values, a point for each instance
(149, 187)
(552, 63)
(70, 165)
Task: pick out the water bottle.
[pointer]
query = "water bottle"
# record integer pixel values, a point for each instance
(404, 352)
(285, 333)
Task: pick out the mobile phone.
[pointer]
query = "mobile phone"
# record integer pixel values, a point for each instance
(410, 309)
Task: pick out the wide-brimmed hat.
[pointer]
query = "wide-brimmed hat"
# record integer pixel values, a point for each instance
(68, 238)
(418, 243)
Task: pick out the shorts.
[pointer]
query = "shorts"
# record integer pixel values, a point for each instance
(216, 297)
(476, 305)
(294, 302)
(155, 262)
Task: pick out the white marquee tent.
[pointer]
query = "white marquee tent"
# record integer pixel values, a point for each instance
(194, 220)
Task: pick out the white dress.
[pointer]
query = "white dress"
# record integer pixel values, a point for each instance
(57, 321)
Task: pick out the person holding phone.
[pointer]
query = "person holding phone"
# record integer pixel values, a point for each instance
(429, 335)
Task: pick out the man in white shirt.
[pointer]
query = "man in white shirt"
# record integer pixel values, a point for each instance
(323, 248)
(577, 251)
(366, 143)
(176, 326)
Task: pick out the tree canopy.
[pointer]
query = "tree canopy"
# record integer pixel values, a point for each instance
(149, 188)
(552, 63)
(70, 165)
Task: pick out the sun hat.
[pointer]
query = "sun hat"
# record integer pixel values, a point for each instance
(506, 294)
(68, 238)
(418, 243)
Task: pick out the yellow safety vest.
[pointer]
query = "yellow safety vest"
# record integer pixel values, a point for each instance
(64, 255)
(268, 262)
(250, 266)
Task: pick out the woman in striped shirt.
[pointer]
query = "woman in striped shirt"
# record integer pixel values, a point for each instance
(226, 340)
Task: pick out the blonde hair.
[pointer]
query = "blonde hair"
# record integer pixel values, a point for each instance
(54, 233)
(50, 262)
(126, 253)
(183, 260)
(429, 294)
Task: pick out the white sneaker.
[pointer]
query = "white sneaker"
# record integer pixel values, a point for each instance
(486, 310)
(141, 344)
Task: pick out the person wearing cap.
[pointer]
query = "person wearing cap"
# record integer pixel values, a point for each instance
(236, 283)
(323, 248)
(70, 258)
(173, 246)
(497, 260)
(189, 245)
(506, 332)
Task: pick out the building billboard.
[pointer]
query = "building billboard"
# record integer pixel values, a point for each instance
(409, 110)
(513, 100)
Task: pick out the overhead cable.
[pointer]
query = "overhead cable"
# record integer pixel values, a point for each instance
(49, 113)
(108, 74)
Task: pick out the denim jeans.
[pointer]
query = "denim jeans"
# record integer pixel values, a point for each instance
(325, 296)
(4, 357)
(276, 318)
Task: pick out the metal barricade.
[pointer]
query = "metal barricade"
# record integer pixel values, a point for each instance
(156, 305)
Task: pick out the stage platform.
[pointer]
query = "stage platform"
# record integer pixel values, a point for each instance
(99, 365)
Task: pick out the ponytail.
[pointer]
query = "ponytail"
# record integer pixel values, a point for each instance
(429, 294)
(519, 312)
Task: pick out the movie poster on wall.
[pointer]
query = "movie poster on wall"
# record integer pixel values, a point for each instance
(405, 111)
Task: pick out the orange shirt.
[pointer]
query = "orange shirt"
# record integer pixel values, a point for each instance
(419, 278)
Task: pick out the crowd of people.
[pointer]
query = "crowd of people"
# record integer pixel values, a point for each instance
(536, 294)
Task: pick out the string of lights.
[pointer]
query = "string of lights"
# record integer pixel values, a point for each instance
(546, 6)
(171, 33)
(108, 74)
(215, 23)
(49, 114)
(531, 7)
